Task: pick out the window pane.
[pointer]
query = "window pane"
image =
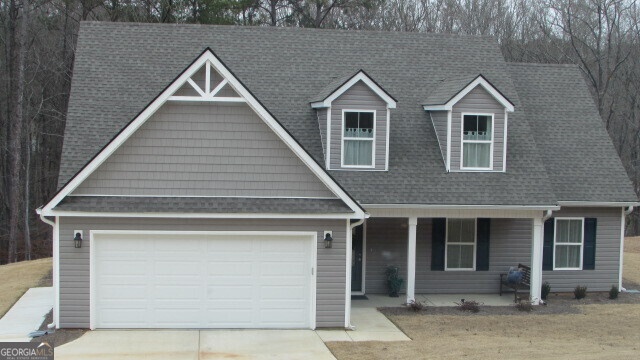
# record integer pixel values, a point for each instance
(358, 152)
(461, 230)
(459, 256)
(453, 230)
(358, 125)
(476, 155)
(477, 127)
(568, 231)
(568, 256)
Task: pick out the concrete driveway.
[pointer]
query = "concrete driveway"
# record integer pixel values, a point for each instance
(196, 344)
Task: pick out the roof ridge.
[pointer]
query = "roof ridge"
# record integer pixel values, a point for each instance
(521, 63)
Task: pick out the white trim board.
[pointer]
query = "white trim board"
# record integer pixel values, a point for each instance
(187, 215)
(311, 235)
(478, 81)
(359, 76)
(238, 87)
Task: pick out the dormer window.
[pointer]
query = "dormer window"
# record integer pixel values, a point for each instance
(358, 141)
(477, 141)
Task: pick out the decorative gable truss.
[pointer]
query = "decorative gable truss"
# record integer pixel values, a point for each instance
(207, 79)
(469, 116)
(354, 118)
(206, 85)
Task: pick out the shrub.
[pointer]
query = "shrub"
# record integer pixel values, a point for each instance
(416, 306)
(468, 305)
(394, 281)
(524, 306)
(580, 292)
(613, 293)
(546, 289)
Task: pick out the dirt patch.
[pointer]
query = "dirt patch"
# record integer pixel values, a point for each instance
(597, 332)
(46, 280)
(59, 336)
(17, 278)
(632, 244)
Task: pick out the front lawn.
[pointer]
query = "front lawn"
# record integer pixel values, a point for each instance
(599, 332)
(631, 261)
(17, 278)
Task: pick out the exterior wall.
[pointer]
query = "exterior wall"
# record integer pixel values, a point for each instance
(607, 267)
(322, 124)
(386, 244)
(359, 97)
(439, 119)
(204, 150)
(74, 263)
(478, 100)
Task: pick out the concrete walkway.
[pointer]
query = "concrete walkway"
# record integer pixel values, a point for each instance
(196, 344)
(26, 315)
(369, 325)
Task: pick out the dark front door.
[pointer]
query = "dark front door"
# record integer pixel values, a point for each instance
(356, 260)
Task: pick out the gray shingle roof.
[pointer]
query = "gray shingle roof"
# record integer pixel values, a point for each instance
(580, 159)
(333, 86)
(447, 89)
(202, 205)
(121, 67)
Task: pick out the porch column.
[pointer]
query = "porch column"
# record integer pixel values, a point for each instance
(536, 261)
(411, 260)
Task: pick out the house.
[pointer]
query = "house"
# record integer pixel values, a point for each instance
(233, 177)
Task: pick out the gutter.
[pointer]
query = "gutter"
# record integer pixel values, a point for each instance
(628, 210)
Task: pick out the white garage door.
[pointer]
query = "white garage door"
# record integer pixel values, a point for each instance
(158, 280)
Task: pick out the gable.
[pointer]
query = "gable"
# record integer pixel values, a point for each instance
(210, 95)
(204, 149)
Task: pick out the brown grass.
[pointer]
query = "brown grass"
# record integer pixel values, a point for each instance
(602, 332)
(632, 259)
(17, 278)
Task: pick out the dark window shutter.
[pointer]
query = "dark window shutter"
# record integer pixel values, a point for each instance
(589, 251)
(482, 249)
(438, 233)
(547, 253)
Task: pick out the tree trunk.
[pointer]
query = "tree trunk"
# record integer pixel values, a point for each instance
(27, 192)
(17, 49)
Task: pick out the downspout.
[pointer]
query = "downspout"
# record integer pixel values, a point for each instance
(52, 224)
(351, 226)
(626, 212)
(547, 215)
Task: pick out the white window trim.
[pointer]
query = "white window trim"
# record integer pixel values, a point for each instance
(490, 142)
(475, 245)
(372, 139)
(555, 229)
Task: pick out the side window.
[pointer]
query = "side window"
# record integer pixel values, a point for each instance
(477, 142)
(358, 138)
(568, 241)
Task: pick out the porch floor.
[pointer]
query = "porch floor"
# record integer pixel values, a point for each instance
(378, 300)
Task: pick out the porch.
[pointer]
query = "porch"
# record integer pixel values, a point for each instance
(446, 256)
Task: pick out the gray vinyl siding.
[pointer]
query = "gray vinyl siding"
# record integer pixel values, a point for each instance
(204, 150)
(322, 125)
(439, 119)
(607, 267)
(74, 263)
(359, 97)
(478, 100)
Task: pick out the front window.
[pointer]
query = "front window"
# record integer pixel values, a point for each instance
(568, 244)
(358, 138)
(461, 244)
(477, 140)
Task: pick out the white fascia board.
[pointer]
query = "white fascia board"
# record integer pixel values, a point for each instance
(478, 81)
(255, 105)
(487, 86)
(598, 203)
(186, 215)
(461, 207)
(360, 76)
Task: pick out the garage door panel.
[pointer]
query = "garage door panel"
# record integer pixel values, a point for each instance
(203, 281)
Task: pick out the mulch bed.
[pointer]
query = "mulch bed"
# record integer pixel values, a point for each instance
(59, 336)
(557, 303)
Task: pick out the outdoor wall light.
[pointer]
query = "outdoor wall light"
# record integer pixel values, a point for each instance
(77, 240)
(328, 240)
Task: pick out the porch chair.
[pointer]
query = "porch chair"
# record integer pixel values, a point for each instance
(523, 284)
